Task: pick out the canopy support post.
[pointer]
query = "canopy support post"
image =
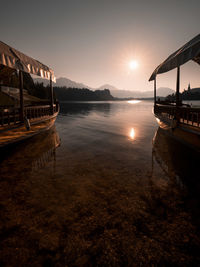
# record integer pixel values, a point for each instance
(177, 94)
(51, 94)
(178, 87)
(21, 114)
(155, 91)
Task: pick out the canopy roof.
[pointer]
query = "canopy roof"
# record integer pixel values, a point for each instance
(190, 50)
(14, 59)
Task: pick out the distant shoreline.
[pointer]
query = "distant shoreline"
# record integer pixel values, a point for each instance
(98, 101)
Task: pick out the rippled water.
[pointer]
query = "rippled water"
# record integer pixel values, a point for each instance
(105, 187)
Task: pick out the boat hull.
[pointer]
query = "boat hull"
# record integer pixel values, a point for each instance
(20, 132)
(186, 134)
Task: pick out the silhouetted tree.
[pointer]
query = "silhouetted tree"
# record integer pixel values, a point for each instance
(77, 94)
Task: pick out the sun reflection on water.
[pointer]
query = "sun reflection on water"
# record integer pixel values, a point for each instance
(134, 101)
(132, 133)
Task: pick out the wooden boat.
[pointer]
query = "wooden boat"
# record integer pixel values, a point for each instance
(36, 154)
(180, 121)
(19, 121)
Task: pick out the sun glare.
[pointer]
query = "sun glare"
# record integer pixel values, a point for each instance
(133, 64)
(132, 133)
(133, 101)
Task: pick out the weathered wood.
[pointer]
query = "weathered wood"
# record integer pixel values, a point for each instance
(21, 96)
(51, 94)
(13, 115)
(187, 115)
(155, 91)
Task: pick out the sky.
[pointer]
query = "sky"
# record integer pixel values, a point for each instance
(94, 41)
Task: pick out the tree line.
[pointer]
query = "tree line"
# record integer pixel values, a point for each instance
(189, 94)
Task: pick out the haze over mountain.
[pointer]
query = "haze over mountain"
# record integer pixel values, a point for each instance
(108, 86)
(162, 92)
(69, 83)
(62, 81)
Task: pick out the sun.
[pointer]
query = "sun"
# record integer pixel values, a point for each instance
(133, 64)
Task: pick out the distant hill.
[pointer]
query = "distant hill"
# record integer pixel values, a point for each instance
(195, 90)
(191, 94)
(162, 92)
(70, 84)
(61, 82)
(65, 82)
(84, 94)
(108, 86)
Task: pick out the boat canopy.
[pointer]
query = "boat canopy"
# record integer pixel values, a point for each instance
(14, 59)
(189, 51)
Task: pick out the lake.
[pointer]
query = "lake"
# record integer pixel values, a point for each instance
(104, 187)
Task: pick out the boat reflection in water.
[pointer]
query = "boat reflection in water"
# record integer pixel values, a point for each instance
(181, 166)
(32, 154)
(180, 163)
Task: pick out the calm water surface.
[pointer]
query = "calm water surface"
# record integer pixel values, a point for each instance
(105, 187)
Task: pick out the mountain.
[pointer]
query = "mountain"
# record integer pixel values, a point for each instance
(41, 80)
(70, 84)
(61, 82)
(162, 92)
(109, 87)
(65, 82)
